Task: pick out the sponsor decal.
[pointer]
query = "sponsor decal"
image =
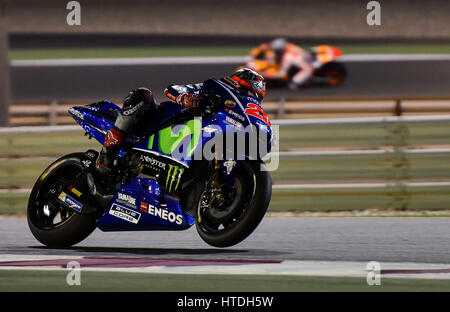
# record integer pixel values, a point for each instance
(86, 163)
(251, 99)
(76, 113)
(256, 111)
(72, 203)
(153, 162)
(233, 122)
(133, 109)
(90, 154)
(125, 213)
(229, 164)
(111, 138)
(144, 207)
(162, 213)
(173, 177)
(92, 108)
(234, 114)
(229, 103)
(126, 199)
(75, 191)
(209, 129)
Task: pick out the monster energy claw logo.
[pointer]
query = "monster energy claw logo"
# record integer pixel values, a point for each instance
(173, 177)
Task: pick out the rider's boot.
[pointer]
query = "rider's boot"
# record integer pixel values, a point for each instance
(112, 145)
(298, 81)
(105, 181)
(294, 87)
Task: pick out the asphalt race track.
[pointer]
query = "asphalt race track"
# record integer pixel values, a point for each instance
(380, 78)
(396, 239)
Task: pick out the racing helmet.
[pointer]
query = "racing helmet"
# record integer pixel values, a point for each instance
(278, 44)
(249, 81)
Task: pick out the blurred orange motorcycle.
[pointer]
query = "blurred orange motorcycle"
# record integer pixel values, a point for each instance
(323, 60)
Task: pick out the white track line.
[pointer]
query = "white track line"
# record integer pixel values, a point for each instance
(214, 60)
(394, 57)
(363, 152)
(40, 129)
(355, 185)
(15, 190)
(309, 186)
(281, 122)
(129, 61)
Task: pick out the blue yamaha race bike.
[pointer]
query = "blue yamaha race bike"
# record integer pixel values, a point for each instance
(159, 182)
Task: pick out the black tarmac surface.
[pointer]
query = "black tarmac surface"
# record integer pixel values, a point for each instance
(366, 80)
(395, 239)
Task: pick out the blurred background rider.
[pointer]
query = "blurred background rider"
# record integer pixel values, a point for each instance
(280, 59)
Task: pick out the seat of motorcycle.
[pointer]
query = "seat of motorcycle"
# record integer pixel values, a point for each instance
(108, 115)
(111, 116)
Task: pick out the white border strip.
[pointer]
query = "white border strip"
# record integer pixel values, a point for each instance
(40, 129)
(355, 185)
(359, 120)
(309, 186)
(281, 122)
(129, 61)
(363, 152)
(394, 57)
(213, 60)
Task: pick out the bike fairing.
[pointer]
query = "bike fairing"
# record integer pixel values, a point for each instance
(153, 208)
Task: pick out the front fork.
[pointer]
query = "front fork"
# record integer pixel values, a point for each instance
(220, 186)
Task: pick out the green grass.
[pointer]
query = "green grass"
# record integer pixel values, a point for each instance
(14, 203)
(57, 53)
(34, 280)
(131, 52)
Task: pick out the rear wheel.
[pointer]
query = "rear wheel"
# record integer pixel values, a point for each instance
(331, 74)
(50, 220)
(231, 221)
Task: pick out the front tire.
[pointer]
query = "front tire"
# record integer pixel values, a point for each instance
(231, 225)
(50, 221)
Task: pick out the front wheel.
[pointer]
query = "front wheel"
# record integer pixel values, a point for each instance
(50, 221)
(230, 223)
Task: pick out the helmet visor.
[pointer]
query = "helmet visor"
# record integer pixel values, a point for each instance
(260, 88)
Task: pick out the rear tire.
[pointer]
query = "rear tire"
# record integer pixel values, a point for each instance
(73, 226)
(256, 192)
(332, 74)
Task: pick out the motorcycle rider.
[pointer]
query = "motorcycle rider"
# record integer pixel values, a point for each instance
(287, 57)
(140, 109)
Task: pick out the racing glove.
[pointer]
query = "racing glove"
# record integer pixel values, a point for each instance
(188, 100)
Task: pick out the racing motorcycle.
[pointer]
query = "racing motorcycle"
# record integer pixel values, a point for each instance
(327, 70)
(158, 182)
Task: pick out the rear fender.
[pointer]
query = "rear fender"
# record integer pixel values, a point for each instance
(96, 119)
(74, 193)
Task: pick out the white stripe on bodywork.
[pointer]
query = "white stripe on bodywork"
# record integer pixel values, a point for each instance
(162, 155)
